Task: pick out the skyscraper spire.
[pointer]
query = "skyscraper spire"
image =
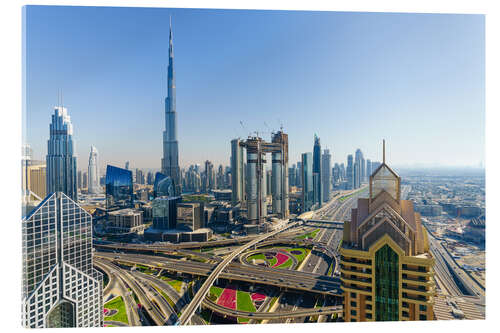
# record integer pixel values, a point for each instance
(383, 151)
(170, 160)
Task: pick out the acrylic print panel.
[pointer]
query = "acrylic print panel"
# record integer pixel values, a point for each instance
(201, 166)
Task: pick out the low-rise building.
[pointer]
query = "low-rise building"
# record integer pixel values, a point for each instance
(125, 221)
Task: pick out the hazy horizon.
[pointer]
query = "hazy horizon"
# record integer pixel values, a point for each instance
(416, 80)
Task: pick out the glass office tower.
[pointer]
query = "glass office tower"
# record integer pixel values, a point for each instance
(317, 172)
(60, 287)
(165, 212)
(119, 188)
(61, 160)
(163, 186)
(307, 182)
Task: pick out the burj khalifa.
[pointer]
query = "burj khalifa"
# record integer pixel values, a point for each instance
(170, 160)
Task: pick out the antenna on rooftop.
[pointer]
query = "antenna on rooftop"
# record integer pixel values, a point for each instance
(383, 151)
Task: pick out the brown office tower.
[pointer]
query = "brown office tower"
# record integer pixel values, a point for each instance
(386, 267)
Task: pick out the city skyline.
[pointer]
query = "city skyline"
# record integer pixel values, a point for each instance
(194, 71)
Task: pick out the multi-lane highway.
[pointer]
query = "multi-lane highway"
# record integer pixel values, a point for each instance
(311, 278)
(116, 283)
(452, 279)
(204, 289)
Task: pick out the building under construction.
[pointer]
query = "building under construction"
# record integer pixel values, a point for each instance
(255, 180)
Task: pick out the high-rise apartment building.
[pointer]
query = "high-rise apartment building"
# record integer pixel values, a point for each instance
(36, 181)
(170, 160)
(79, 179)
(307, 182)
(368, 168)
(94, 179)
(386, 267)
(60, 286)
(350, 172)
(326, 166)
(237, 180)
(209, 177)
(298, 176)
(359, 161)
(317, 173)
(61, 160)
(356, 175)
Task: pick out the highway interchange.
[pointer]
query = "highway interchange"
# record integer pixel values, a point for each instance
(308, 293)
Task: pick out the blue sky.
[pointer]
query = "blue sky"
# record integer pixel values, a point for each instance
(416, 80)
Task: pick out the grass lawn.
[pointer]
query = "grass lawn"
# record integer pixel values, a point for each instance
(286, 264)
(216, 291)
(117, 304)
(244, 302)
(309, 235)
(302, 256)
(257, 256)
(165, 296)
(273, 261)
(352, 194)
(177, 284)
(243, 320)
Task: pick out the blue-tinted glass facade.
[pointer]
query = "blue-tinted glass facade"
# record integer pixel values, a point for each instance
(163, 186)
(119, 188)
(307, 182)
(318, 182)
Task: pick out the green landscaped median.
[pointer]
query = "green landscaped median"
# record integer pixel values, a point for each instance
(117, 304)
(309, 235)
(175, 283)
(352, 194)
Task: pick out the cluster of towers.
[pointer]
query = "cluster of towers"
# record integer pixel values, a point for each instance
(314, 175)
(358, 170)
(249, 184)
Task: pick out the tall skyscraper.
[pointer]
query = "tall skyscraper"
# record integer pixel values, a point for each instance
(299, 174)
(356, 175)
(368, 168)
(317, 173)
(359, 161)
(170, 160)
(127, 165)
(307, 182)
(387, 270)
(94, 179)
(60, 286)
(84, 180)
(119, 188)
(80, 179)
(61, 160)
(326, 166)
(350, 172)
(210, 179)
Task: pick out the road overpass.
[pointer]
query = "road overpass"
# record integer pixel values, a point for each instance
(272, 315)
(281, 278)
(204, 289)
